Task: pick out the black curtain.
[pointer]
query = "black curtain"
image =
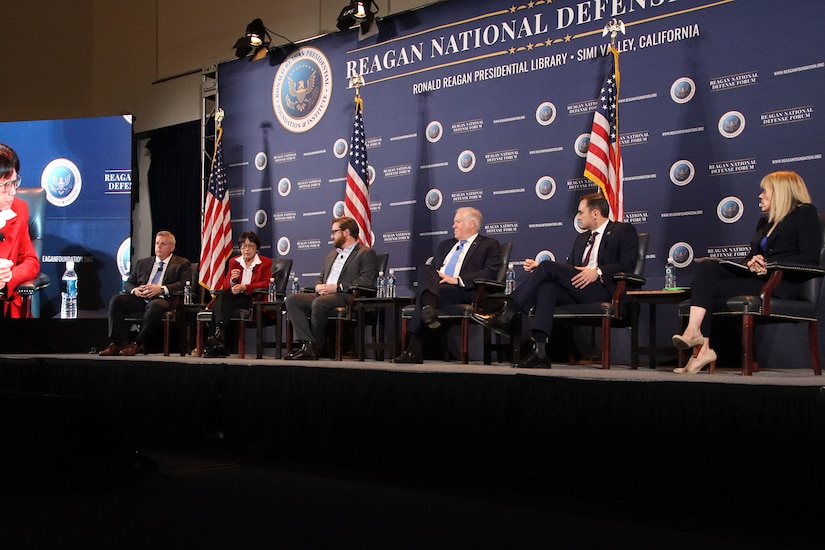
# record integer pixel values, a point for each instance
(175, 186)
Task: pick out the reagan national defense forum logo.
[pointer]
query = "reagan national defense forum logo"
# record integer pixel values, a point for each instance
(62, 182)
(730, 209)
(302, 89)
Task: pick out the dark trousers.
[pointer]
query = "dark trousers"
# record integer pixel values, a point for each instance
(127, 305)
(548, 286)
(435, 294)
(225, 303)
(308, 313)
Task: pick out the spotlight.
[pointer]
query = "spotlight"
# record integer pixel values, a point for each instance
(358, 13)
(257, 38)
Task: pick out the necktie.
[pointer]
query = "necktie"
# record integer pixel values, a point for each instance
(158, 273)
(590, 244)
(449, 269)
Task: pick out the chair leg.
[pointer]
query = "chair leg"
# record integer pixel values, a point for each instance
(166, 333)
(339, 339)
(813, 342)
(605, 343)
(198, 338)
(404, 322)
(488, 353)
(242, 339)
(747, 345)
(465, 340)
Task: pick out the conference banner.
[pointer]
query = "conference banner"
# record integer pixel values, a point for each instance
(489, 104)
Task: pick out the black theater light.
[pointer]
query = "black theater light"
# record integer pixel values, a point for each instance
(255, 41)
(359, 13)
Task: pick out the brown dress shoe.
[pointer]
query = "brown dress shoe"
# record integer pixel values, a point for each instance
(111, 350)
(131, 349)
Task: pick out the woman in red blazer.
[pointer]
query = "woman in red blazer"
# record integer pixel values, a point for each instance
(246, 272)
(15, 242)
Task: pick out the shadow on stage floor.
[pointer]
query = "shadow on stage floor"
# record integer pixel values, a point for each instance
(573, 442)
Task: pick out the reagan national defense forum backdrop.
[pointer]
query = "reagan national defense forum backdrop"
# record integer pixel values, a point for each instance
(488, 103)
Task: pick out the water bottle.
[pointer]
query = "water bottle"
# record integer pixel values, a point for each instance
(670, 274)
(510, 280)
(188, 295)
(272, 294)
(296, 284)
(68, 305)
(389, 286)
(379, 285)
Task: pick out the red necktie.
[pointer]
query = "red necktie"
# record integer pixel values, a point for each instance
(590, 244)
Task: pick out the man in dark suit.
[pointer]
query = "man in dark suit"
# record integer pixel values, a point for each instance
(603, 249)
(448, 279)
(349, 265)
(151, 284)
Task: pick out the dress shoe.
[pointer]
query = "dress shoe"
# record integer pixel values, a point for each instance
(131, 349)
(683, 343)
(306, 353)
(429, 317)
(497, 322)
(536, 358)
(111, 350)
(409, 358)
(696, 363)
(215, 348)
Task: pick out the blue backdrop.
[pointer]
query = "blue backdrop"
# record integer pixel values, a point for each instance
(489, 104)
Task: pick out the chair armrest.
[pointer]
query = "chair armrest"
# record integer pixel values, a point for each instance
(631, 279)
(813, 270)
(490, 285)
(28, 288)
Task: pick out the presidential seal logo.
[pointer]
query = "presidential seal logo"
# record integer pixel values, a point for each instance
(683, 90)
(546, 113)
(261, 218)
(545, 187)
(545, 255)
(123, 258)
(370, 175)
(338, 209)
(682, 172)
(732, 124)
(62, 182)
(284, 187)
(341, 148)
(433, 199)
(466, 161)
(283, 246)
(581, 145)
(302, 89)
(681, 253)
(434, 131)
(730, 209)
(260, 160)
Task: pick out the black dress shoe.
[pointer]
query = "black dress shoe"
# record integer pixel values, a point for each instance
(429, 317)
(306, 353)
(536, 359)
(215, 348)
(497, 322)
(409, 358)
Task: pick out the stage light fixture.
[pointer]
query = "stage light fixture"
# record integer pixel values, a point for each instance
(360, 14)
(255, 40)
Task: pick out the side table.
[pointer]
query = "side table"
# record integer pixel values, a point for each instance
(261, 308)
(381, 340)
(652, 298)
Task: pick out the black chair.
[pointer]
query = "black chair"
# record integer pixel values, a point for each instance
(35, 197)
(767, 308)
(485, 290)
(180, 315)
(615, 313)
(269, 313)
(246, 316)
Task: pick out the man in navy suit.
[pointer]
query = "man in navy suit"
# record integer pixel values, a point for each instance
(602, 250)
(151, 284)
(448, 279)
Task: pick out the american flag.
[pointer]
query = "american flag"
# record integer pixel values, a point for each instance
(216, 234)
(357, 203)
(604, 158)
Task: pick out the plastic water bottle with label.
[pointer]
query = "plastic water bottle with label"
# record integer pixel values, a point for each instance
(296, 284)
(389, 285)
(670, 275)
(188, 294)
(379, 285)
(68, 304)
(272, 294)
(509, 280)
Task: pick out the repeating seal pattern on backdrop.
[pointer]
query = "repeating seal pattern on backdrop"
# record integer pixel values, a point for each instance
(302, 89)
(62, 181)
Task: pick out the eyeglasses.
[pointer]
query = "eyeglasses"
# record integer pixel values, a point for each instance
(248, 245)
(334, 231)
(5, 186)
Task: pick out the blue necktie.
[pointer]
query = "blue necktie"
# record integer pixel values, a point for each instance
(449, 269)
(158, 273)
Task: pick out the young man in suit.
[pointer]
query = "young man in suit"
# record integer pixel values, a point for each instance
(349, 265)
(603, 249)
(151, 284)
(448, 279)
